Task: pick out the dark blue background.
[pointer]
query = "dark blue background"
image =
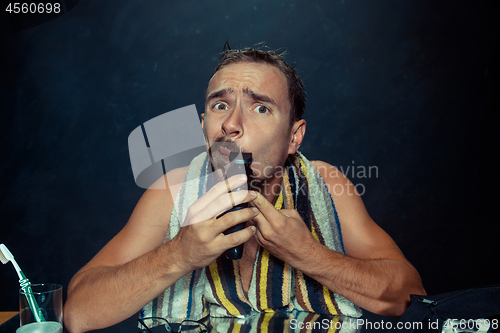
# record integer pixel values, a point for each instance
(410, 87)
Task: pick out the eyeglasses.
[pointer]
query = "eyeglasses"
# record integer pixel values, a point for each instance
(185, 326)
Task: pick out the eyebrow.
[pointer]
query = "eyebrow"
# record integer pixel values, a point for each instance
(246, 91)
(220, 93)
(258, 97)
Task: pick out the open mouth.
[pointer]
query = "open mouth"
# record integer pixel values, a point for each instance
(220, 151)
(224, 153)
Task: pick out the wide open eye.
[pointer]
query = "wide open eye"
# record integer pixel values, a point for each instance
(220, 106)
(261, 109)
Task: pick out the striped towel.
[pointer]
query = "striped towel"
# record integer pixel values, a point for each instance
(275, 285)
(292, 322)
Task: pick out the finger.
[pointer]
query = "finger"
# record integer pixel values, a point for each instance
(233, 182)
(289, 212)
(237, 238)
(221, 188)
(226, 201)
(259, 238)
(238, 197)
(233, 218)
(225, 187)
(266, 208)
(262, 224)
(223, 203)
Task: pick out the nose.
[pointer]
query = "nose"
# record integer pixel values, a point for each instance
(233, 125)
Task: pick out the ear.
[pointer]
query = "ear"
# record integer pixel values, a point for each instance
(298, 132)
(202, 119)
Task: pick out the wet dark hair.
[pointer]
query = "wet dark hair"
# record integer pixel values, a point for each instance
(296, 90)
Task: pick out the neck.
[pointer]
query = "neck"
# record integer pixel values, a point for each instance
(270, 189)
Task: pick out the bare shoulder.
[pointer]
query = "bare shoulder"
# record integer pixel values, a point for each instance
(146, 227)
(347, 200)
(330, 173)
(339, 186)
(155, 206)
(363, 238)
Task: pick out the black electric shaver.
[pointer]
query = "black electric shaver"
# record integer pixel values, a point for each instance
(240, 165)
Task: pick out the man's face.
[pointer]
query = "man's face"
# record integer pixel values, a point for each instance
(248, 107)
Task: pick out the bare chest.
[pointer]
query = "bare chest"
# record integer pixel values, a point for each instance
(246, 263)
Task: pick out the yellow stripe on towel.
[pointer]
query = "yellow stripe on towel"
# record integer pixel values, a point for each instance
(264, 326)
(328, 301)
(264, 266)
(303, 290)
(220, 290)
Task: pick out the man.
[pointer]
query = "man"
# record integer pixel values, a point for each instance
(254, 102)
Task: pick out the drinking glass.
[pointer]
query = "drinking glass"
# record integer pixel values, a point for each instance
(48, 296)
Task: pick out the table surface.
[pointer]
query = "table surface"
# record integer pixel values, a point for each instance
(130, 324)
(6, 315)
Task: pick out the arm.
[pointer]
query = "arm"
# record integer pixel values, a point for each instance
(136, 266)
(127, 273)
(373, 274)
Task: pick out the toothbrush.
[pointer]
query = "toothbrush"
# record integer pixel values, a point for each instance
(5, 257)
